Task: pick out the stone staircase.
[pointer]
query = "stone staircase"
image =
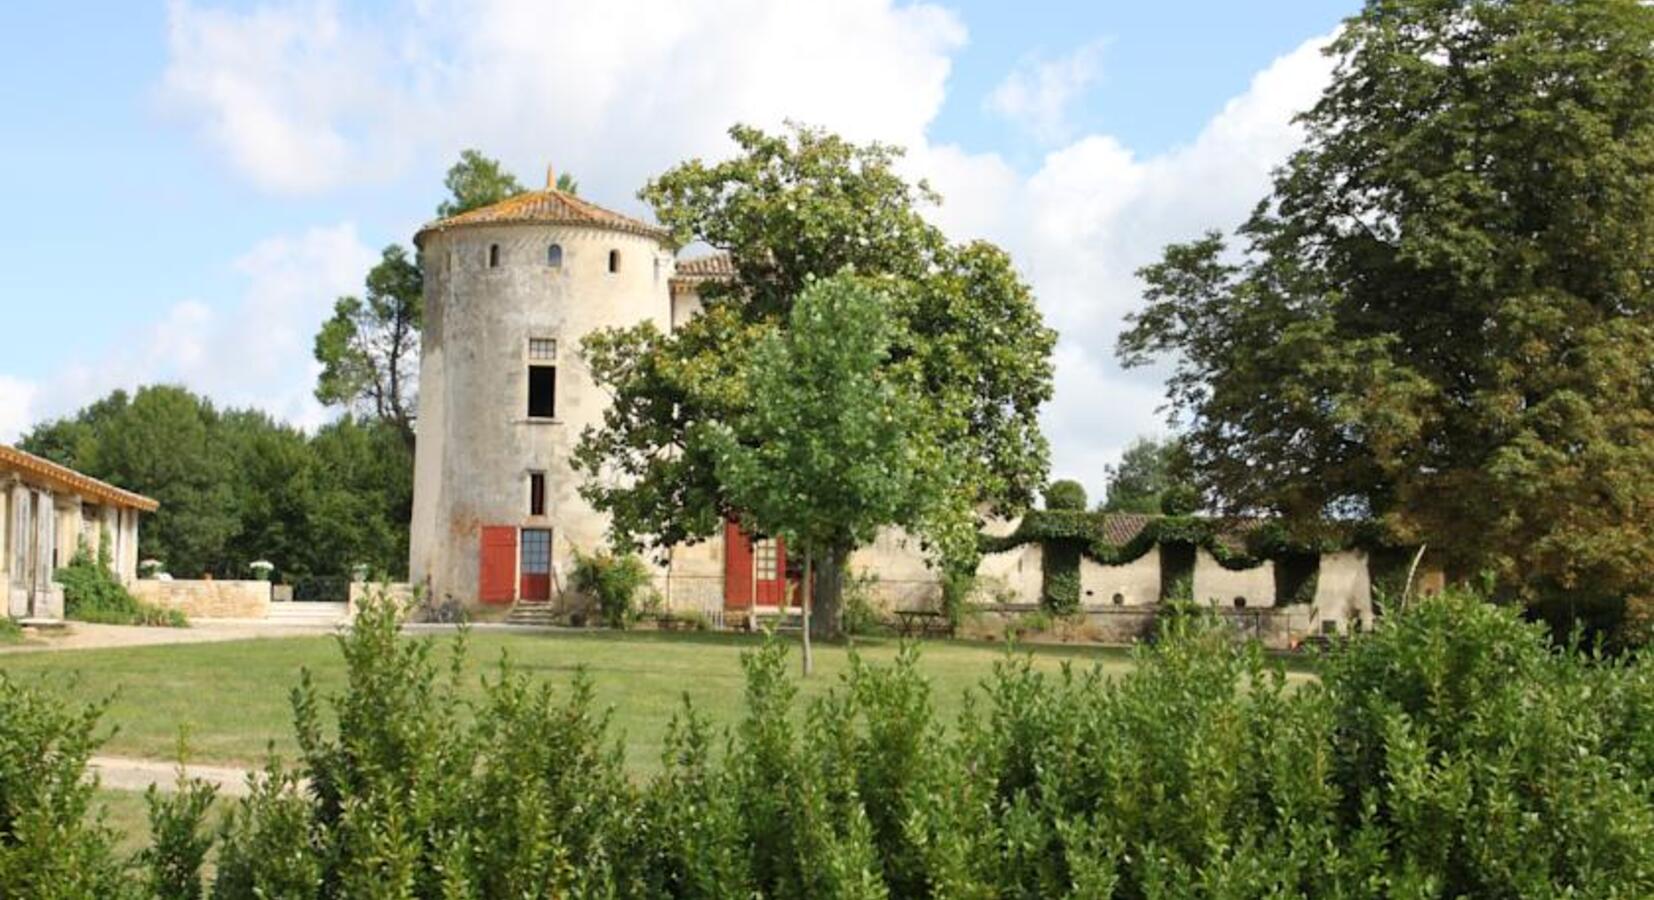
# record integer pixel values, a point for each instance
(532, 612)
(307, 613)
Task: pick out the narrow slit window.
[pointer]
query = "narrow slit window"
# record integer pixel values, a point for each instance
(493, 256)
(614, 261)
(554, 256)
(536, 493)
(542, 392)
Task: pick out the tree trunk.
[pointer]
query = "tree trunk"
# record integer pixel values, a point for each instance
(809, 566)
(828, 596)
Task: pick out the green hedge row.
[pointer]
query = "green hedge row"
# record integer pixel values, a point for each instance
(1449, 753)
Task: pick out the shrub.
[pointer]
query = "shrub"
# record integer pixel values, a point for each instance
(10, 631)
(1448, 753)
(1065, 494)
(1180, 500)
(50, 843)
(92, 593)
(858, 613)
(616, 582)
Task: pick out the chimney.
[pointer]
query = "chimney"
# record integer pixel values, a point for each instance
(551, 178)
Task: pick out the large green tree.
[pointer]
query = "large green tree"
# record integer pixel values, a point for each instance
(791, 208)
(1148, 468)
(477, 181)
(369, 349)
(1444, 312)
(836, 442)
(236, 486)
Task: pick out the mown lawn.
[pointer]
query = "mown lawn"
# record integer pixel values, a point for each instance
(232, 698)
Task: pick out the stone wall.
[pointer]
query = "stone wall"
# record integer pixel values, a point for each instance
(1277, 629)
(207, 599)
(1246, 588)
(400, 591)
(1136, 583)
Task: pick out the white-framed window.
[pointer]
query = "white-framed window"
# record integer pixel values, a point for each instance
(542, 349)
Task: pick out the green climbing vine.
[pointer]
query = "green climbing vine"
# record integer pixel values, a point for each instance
(1066, 535)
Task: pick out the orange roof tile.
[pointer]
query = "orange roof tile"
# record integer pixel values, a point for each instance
(548, 207)
(85, 485)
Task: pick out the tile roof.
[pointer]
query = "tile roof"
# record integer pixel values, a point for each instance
(85, 485)
(548, 207)
(715, 265)
(1118, 528)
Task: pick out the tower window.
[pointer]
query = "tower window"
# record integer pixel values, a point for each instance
(542, 349)
(614, 261)
(542, 392)
(536, 493)
(554, 256)
(493, 256)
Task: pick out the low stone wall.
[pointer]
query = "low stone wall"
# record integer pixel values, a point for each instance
(1278, 629)
(207, 599)
(399, 591)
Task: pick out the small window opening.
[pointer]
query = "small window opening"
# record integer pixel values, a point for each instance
(542, 392)
(536, 493)
(554, 256)
(614, 261)
(493, 256)
(542, 349)
(1240, 602)
(1119, 599)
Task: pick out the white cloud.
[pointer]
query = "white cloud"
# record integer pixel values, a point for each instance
(1039, 93)
(16, 402)
(253, 351)
(1094, 213)
(301, 98)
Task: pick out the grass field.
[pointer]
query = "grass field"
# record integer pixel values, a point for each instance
(232, 698)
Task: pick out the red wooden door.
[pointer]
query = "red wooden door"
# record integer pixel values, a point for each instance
(753, 569)
(499, 564)
(536, 565)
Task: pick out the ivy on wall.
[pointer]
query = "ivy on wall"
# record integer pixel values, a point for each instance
(1066, 535)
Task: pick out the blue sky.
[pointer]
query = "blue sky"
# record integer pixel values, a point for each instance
(192, 182)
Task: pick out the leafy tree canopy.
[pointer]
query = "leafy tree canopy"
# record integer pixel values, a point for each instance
(791, 208)
(477, 181)
(1065, 494)
(236, 486)
(1443, 314)
(836, 443)
(369, 349)
(1147, 469)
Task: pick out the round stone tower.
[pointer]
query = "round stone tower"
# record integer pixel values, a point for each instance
(510, 289)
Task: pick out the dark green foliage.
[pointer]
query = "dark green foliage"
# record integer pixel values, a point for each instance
(92, 593)
(1441, 315)
(1148, 468)
(51, 845)
(369, 349)
(179, 839)
(1177, 571)
(236, 486)
(1065, 494)
(1180, 500)
(1296, 576)
(617, 583)
(1060, 568)
(477, 181)
(1449, 753)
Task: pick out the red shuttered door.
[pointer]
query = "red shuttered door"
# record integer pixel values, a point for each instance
(499, 564)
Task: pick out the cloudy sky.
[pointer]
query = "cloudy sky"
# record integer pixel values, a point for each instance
(192, 183)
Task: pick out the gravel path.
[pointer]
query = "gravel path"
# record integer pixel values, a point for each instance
(122, 773)
(85, 635)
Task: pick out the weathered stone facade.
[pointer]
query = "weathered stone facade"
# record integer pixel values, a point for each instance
(47, 512)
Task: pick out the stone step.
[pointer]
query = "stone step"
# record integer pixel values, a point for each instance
(307, 613)
(532, 613)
